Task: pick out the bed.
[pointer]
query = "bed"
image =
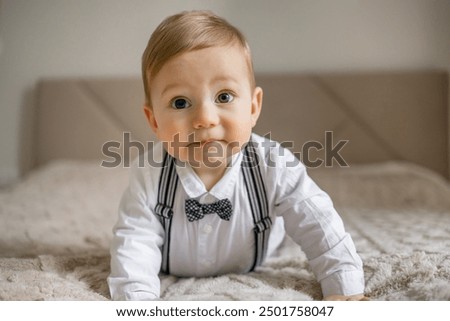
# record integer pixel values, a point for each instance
(389, 182)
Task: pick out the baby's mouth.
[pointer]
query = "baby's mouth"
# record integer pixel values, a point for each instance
(204, 143)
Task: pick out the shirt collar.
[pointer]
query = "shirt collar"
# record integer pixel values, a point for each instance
(224, 188)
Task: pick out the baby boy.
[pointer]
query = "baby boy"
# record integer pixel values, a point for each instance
(220, 200)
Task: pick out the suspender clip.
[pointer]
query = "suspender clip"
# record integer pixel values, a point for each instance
(164, 211)
(263, 225)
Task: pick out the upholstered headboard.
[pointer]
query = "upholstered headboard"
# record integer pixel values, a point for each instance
(383, 116)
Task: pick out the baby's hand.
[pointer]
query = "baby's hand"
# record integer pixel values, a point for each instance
(356, 297)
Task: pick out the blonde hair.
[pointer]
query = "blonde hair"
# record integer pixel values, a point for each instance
(188, 31)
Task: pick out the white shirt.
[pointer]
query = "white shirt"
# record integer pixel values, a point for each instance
(212, 246)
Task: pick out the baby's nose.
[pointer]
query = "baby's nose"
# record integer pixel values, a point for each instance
(205, 116)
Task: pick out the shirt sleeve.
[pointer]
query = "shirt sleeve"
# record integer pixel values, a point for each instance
(136, 246)
(313, 223)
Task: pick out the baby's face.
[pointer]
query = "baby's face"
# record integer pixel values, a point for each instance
(203, 105)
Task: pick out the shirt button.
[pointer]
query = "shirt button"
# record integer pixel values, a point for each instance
(207, 229)
(208, 198)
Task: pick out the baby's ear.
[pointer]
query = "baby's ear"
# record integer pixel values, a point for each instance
(151, 118)
(256, 104)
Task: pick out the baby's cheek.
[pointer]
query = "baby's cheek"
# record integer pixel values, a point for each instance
(241, 133)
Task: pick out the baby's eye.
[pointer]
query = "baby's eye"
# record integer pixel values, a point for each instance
(180, 103)
(224, 98)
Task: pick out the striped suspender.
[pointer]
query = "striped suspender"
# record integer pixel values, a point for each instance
(168, 181)
(258, 202)
(257, 197)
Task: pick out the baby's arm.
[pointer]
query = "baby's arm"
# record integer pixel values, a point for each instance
(317, 228)
(313, 223)
(135, 249)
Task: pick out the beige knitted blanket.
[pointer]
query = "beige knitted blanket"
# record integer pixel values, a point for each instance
(56, 226)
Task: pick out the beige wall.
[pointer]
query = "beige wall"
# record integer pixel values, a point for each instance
(53, 38)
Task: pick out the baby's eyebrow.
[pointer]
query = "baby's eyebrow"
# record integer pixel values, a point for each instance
(169, 87)
(215, 80)
(224, 79)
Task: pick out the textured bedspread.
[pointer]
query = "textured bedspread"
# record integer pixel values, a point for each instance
(56, 227)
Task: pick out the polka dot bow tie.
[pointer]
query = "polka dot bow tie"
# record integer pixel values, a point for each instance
(196, 211)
